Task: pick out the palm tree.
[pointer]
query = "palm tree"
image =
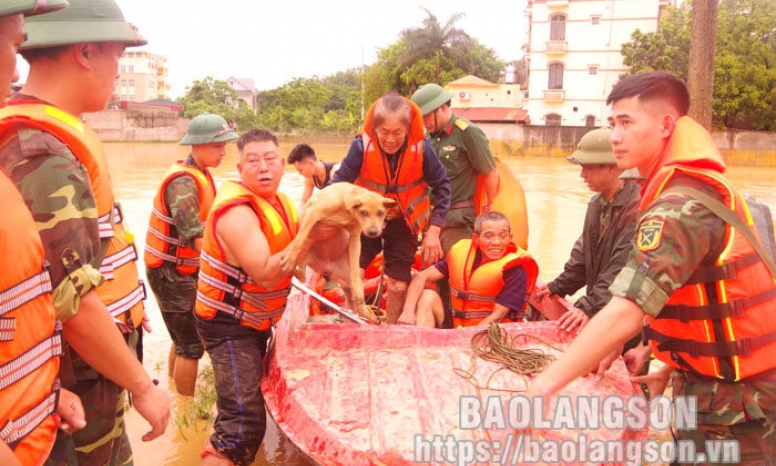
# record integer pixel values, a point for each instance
(435, 43)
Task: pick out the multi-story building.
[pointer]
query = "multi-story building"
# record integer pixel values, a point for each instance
(574, 55)
(245, 89)
(142, 77)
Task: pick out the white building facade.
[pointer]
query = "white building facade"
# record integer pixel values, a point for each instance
(574, 55)
(142, 76)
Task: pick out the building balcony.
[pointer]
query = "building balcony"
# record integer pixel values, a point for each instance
(554, 95)
(556, 47)
(557, 3)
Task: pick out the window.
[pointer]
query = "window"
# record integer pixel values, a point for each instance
(123, 83)
(592, 70)
(595, 20)
(123, 68)
(556, 76)
(552, 119)
(131, 83)
(557, 27)
(590, 120)
(131, 68)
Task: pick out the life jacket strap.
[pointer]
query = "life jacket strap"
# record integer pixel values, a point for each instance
(16, 429)
(734, 308)
(25, 291)
(29, 361)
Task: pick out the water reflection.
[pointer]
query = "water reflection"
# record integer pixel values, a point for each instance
(556, 198)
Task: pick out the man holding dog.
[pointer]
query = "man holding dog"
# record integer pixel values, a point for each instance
(490, 279)
(393, 157)
(174, 240)
(242, 292)
(694, 272)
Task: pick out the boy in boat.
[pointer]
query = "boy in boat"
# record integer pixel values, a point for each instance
(490, 279)
(610, 224)
(174, 240)
(694, 271)
(316, 173)
(465, 153)
(58, 165)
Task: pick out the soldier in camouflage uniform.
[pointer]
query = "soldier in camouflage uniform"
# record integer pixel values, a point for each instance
(186, 203)
(671, 277)
(72, 69)
(464, 151)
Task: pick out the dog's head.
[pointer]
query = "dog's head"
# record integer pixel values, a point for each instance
(370, 210)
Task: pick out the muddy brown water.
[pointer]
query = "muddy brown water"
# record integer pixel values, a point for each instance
(556, 198)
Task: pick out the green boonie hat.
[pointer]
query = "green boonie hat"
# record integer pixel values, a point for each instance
(30, 7)
(207, 129)
(594, 149)
(83, 21)
(430, 96)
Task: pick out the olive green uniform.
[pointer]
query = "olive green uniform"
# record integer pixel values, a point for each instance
(176, 293)
(56, 187)
(464, 151)
(692, 237)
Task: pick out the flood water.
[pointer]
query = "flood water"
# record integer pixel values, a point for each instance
(556, 198)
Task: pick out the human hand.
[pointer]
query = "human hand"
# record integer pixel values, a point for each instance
(655, 382)
(540, 290)
(407, 317)
(154, 405)
(635, 357)
(575, 317)
(606, 363)
(70, 411)
(431, 247)
(146, 324)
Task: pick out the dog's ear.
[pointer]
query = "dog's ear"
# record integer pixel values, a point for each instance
(389, 203)
(353, 203)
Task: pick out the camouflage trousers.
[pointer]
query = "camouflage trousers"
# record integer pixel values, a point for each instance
(104, 440)
(744, 412)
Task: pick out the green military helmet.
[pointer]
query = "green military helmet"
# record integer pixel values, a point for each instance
(594, 149)
(207, 129)
(30, 7)
(430, 97)
(83, 21)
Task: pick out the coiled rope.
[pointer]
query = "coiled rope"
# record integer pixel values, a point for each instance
(496, 345)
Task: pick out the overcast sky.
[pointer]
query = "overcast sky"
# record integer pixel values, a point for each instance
(276, 41)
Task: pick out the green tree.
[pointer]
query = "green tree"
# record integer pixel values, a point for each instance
(213, 96)
(744, 62)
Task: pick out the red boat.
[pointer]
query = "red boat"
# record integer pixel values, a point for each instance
(350, 394)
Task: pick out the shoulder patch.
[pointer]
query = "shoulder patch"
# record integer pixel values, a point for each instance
(650, 234)
(461, 124)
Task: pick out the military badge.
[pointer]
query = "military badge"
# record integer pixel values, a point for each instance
(650, 234)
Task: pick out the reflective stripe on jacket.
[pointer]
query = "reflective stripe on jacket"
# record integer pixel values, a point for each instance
(720, 323)
(408, 186)
(123, 291)
(162, 237)
(473, 292)
(30, 338)
(227, 288)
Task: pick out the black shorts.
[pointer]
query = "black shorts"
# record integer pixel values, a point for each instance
(399, 246)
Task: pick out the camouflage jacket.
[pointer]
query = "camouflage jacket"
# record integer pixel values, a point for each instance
(182, 200)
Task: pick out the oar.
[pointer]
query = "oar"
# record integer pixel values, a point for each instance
(345, 313)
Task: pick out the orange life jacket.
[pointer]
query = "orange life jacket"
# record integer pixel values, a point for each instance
(720, 323)
(408, 187)
(162, 235)
(227, 288)
(30, 337)
(122, 292)
(473, 292)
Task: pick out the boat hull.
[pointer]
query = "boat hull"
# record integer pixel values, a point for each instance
(350, 394)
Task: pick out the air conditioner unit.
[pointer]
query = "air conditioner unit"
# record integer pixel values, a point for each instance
(463, 95)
